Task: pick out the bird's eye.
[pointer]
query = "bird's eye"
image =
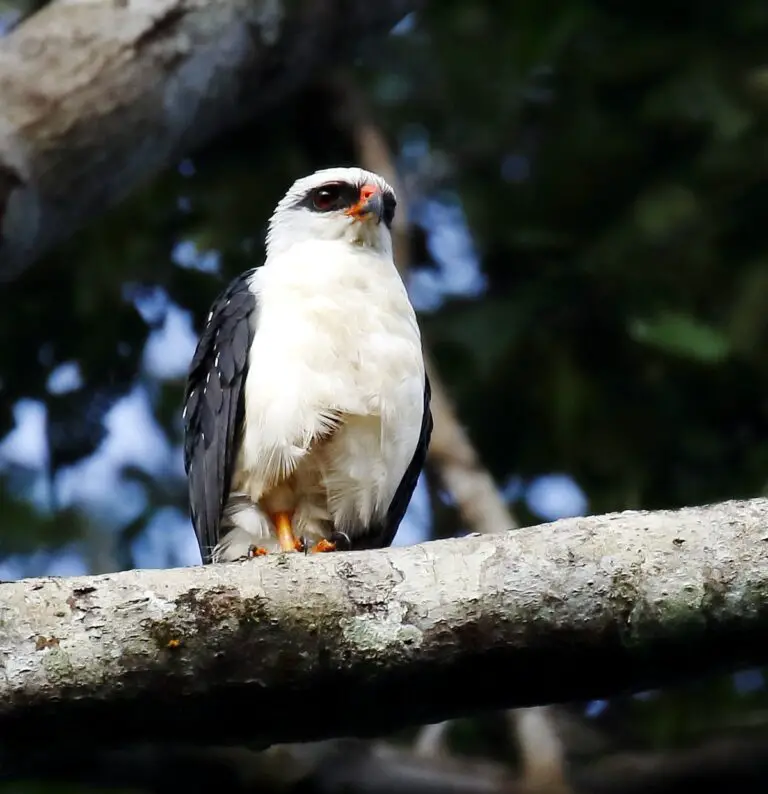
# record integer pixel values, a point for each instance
(325, 198)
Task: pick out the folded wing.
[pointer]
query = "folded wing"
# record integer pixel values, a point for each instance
(214, 407)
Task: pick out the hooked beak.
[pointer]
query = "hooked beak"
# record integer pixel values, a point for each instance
(370, 205)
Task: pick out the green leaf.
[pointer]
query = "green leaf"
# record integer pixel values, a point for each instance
(681, 335)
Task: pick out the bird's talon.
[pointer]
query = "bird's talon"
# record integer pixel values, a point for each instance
(341, 541)
(256, 551)
(302, 545)
(323, 546)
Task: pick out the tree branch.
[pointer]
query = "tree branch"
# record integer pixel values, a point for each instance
(97, 96)
(418, 634)
(478, 500)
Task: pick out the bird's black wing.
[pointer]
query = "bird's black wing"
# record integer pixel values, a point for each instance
(382, 535)
(214, 406)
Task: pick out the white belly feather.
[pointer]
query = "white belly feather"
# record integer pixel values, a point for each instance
(336, 335)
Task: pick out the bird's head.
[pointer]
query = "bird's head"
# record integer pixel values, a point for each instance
(348, 204)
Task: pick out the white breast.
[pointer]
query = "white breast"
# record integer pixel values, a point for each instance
(336, 333)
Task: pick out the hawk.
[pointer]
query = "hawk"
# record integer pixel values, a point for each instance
(307, 405)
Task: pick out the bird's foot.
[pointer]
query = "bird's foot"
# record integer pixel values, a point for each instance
(256, 551)
(323, 545)
(339, 541)
(298, 544)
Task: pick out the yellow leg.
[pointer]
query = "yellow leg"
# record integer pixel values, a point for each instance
(285, 536)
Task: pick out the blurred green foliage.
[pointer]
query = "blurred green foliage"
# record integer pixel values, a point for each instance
(611, 161)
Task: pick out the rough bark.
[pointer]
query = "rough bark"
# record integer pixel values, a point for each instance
(354, 643)
(97, 96)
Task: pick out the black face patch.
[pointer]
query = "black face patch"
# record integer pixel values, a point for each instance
(331, 196)
(335, 196)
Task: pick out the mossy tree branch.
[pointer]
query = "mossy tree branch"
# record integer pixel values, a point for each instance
(352, 643)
